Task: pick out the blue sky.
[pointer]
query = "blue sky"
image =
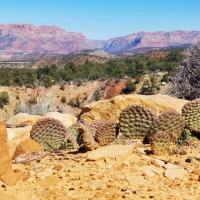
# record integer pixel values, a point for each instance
(104, 19)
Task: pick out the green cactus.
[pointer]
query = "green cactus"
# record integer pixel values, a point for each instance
(160, 143)
(185, 136)
(169, 121)
(71, 138)
(97, 134)
(191, 112)
(49, 133)
(135, 121)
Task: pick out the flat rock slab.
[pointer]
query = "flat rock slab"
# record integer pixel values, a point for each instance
(174, 173)
(48, 181)
(5, 196)
(112, 151)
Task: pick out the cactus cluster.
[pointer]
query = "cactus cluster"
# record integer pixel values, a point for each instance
(191, 112)
(169, 121)
(135, 121)
(49, 133)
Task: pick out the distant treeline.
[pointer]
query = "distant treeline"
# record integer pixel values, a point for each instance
(119, 68)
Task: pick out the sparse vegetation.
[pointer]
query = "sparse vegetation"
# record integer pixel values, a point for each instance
(132, 67)
(130, 86)
(63, 99)
(4, 99)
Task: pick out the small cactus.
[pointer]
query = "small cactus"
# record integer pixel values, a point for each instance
(169, 121)
(160, 143)
(135, 121)
(49, 133)
(191, 112)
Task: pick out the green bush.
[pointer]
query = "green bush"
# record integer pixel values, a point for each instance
(63, 99)
(79, 82)
(97, 95)
(129, 87)
(74, 102)
(62, 87)
(4, 99)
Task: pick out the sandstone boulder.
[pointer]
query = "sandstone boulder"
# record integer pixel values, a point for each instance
(26, 146)
(23, 118)
(66, 119)
(111, 109)
(5, 159)
(16, 136)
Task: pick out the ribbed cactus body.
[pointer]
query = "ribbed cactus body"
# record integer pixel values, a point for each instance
(135, 121)
(49, 133)
(191, 112)
(160, 142)
(106, 133)
(169, 121)
(98, 134)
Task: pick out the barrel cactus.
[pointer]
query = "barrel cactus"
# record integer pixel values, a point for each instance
(106, 132)
(49, 133)
(160, 143)
(135, 121)
(169, 121)
(191, 112)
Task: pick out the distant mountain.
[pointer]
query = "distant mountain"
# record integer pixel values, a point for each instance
(27, 42)
(19, 39)
(158, 39)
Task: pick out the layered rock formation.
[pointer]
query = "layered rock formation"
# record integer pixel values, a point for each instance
(27, 38)
(151, 39)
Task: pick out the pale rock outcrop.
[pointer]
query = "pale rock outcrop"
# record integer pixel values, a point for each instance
(111, 109)
(66, 119)
(24, 118)
(5, 159)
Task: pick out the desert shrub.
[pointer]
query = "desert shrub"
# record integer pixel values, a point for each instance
(4, 99)
(79, 82)
(17, 97)
(32, 100)
(129, 86)
(165, 78)
(150, 86)
(40, 109)
(97, 95)
(62, 87)
(74, 102)
(185, 83)
(63, 99)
